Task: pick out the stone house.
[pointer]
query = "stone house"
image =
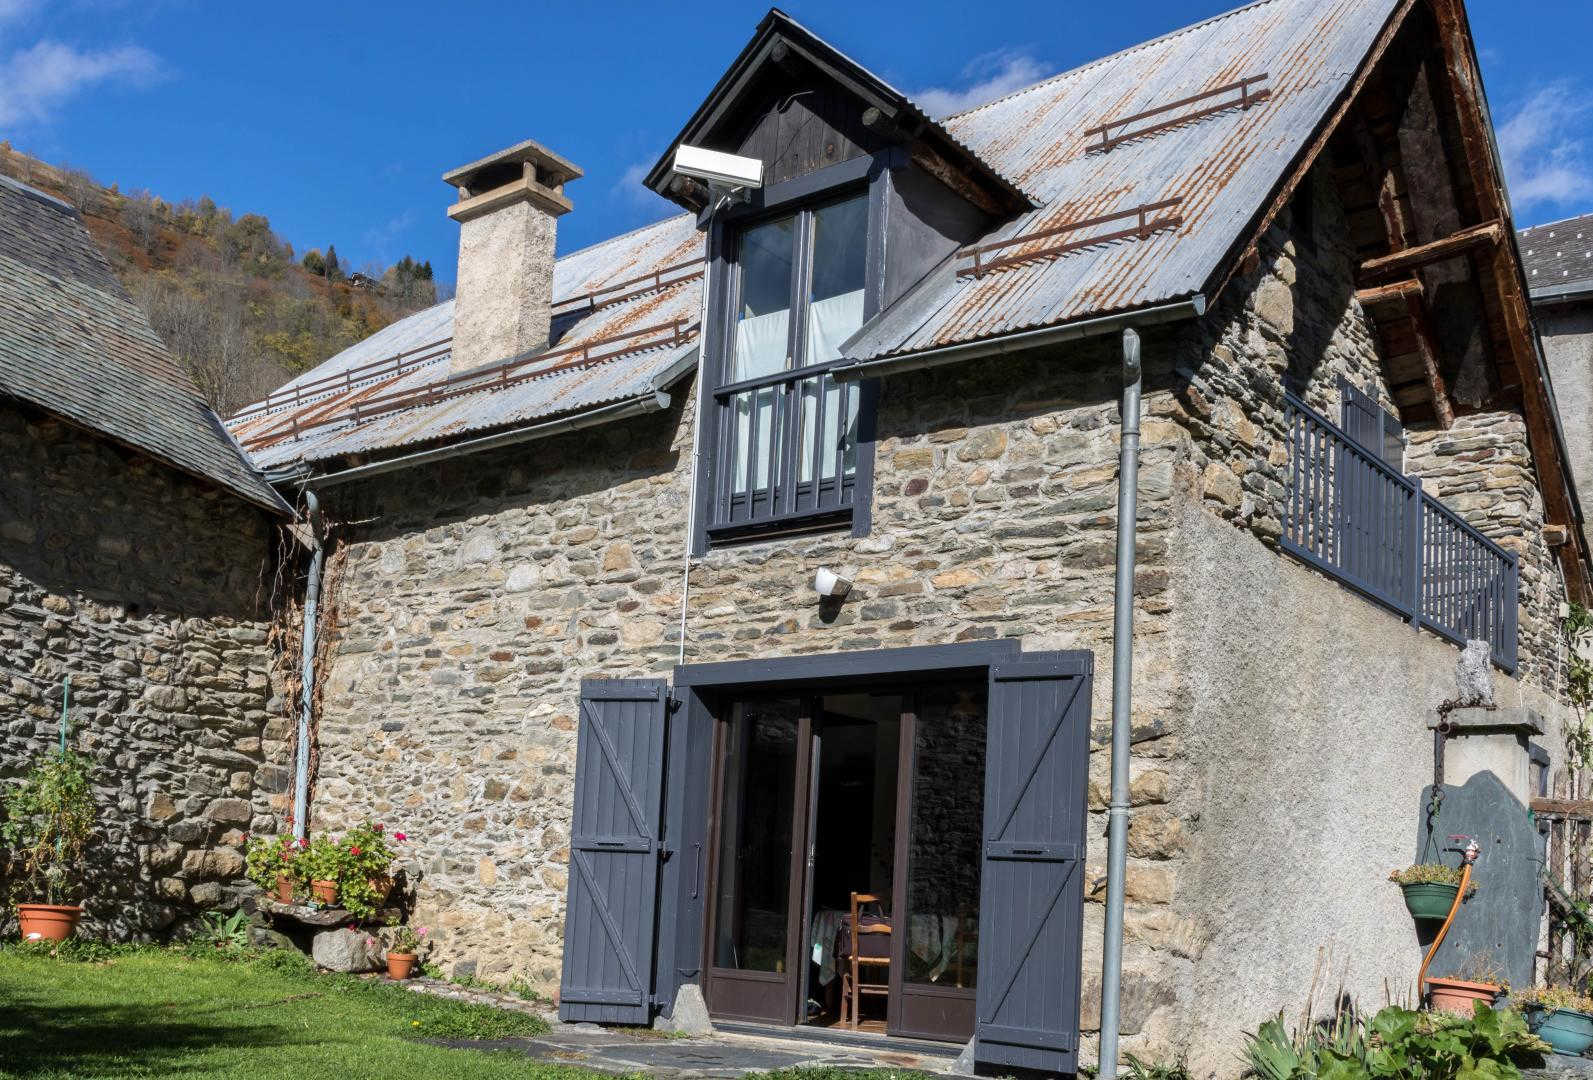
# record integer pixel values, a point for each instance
(672, 591)
(1558, 258)
(136, 552)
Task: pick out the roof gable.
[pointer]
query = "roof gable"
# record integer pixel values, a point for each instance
(798, 103)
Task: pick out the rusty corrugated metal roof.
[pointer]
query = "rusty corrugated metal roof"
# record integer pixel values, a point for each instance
(320, 422)
(1223, 166)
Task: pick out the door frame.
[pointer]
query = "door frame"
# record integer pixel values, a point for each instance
(702, 689)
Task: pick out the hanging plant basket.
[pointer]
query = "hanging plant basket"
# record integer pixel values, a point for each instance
(1429, 901)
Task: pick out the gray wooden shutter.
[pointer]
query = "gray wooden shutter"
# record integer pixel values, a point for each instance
(1031, 895)
(1371, 425)
(611, 916)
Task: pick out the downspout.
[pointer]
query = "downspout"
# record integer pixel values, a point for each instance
(312, 600)
(1122, 710)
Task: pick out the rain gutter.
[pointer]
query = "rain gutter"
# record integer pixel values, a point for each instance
(1122, 705)
(1193, 307)
(312, 601)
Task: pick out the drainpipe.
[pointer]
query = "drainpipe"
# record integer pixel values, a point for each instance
(1122, 712)
(312, 600)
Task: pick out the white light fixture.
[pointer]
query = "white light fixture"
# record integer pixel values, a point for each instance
(829, 583)
(726, 170)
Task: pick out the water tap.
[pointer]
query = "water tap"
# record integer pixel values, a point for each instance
(1471, 850)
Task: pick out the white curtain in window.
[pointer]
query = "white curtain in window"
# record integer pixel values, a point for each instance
(835, 437)
(760, 345)
(750, 405)
(830, 322)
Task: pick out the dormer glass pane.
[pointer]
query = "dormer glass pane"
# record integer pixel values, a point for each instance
(763, 316)
(840, 251)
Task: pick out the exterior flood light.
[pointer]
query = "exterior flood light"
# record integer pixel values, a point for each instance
(828, 583)
(716, 167)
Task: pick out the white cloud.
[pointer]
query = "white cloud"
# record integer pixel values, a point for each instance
(1546, 160)
(988, 77)
(37, 79)
(630, 188)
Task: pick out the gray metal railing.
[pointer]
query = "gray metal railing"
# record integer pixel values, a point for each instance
(1359, 520)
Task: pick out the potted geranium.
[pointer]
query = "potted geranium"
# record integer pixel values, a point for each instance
(1429, 890)
(319, 864)
(1559, 1016)
(364, 869)
(45, 827)
(403, 948)
(270, 864)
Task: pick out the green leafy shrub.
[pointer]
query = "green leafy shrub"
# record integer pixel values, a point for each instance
(45, 824)
(1397, 1044)
(218, 930)
(1426, 874)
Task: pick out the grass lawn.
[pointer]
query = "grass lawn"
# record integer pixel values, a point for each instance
(150, 1012)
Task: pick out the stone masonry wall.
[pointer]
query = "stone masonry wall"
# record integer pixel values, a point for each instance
(146, 587)
(1481, 468)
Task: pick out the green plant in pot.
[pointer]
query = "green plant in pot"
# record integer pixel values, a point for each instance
(364, 869)
(1429, 890)
(319, 864)
(45, 822)
(272, 863)
(1559, 1016)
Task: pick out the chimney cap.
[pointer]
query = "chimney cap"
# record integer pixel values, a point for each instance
(552, 169)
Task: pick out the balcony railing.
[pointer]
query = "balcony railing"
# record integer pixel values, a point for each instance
(1359, 520)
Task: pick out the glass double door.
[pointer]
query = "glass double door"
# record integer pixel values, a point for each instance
(818, 797)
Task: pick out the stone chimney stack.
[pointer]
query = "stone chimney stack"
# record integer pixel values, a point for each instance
(508, 210)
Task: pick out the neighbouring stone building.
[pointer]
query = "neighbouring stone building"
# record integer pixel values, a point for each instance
(136, 559)
(580, 635)
(1558, 258)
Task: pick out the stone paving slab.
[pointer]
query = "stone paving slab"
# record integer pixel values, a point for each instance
(715, 1056)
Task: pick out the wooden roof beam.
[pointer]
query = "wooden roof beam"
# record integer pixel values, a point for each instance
(1488, 234)
(1443, 408)
(1393, 292)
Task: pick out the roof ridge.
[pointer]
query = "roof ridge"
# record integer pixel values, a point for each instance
(1179, 32)
(1547, 224)
(619, 236)
(42, 196)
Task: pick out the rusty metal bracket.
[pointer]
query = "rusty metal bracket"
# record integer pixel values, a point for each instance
(1145, 222)
(1247, 96)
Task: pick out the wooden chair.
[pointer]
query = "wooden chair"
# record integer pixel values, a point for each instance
(853, 988)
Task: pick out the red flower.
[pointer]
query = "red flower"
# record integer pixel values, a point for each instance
(380, 826)
(354, 850)
(400, 837)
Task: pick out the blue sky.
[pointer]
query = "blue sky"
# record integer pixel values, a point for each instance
(336, 119)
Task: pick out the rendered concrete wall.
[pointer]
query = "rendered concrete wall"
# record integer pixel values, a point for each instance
(1567, 333)
(1308, 729)
(503, 300)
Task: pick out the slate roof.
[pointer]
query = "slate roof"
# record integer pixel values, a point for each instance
(1223, 167)
(1558, 258)
(74, 344)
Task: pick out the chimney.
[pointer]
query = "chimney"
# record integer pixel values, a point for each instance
(508, 208)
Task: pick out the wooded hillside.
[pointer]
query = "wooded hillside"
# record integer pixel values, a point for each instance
(228, 295)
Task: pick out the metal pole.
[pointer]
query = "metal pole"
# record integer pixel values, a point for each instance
(312, 600)
(1122, 712)
(66, 710)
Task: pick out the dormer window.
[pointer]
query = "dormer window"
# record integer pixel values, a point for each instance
(786, 434)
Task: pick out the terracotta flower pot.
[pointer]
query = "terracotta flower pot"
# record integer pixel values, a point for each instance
(382, 887)
(399, 965)
(1457, 996)
(48, 922)
(325, 892)
(284, 889)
